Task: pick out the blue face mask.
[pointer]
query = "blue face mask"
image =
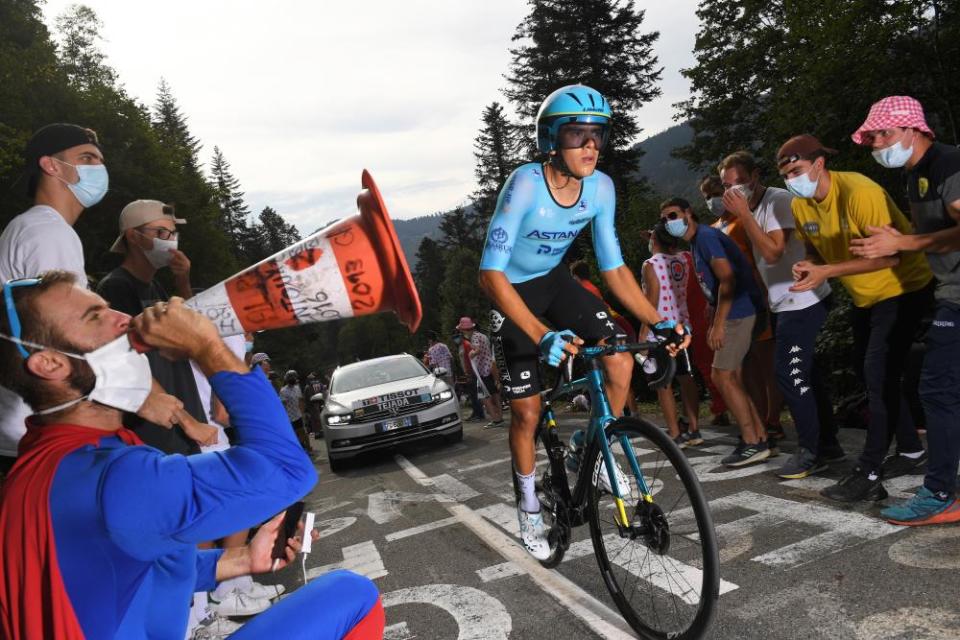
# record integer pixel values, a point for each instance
(92, 183)
(894, 156)
(248, 346)
(802, 186)
(677, 228)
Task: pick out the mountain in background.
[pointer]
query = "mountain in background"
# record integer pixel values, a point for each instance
(667, 176)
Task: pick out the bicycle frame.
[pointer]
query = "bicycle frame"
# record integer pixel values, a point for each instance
(600, 416)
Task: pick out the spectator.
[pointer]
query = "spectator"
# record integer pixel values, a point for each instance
(712, 191)
(314, 386)
(664, 278)
(148, 242)
(122, 521)
(730, 288)
(292, 398)
(890, 296)
(900, 137)
(438, 355)
(65, 174)
(477, 359)
(765, 216)
(758, 366)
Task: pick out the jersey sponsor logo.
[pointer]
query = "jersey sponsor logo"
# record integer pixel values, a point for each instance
(943, 323)
(922, 186)
(583, 206)
(601, 315)
(578, 221)
(525, 374)
(547, 250)
(497, 344)
(520, 388)
(811, 228)
(491, 246)
(496, 320)
(499, 235)
(552, 235)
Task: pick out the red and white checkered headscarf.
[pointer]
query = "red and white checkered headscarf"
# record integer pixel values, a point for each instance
(893, 111)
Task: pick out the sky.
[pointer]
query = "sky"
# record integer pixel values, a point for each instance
(302, 95)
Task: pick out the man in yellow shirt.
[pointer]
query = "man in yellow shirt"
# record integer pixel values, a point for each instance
(890, 297)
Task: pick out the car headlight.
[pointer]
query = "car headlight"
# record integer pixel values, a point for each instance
(338, 418)
(443, 395)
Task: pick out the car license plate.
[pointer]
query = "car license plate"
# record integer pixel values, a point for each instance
(399, 423)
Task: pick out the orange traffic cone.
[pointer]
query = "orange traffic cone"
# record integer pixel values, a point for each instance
(353, 268)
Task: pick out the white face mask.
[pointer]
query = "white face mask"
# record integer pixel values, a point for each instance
(123, 378)
(715, 205)
(744, 190)
(160, 255)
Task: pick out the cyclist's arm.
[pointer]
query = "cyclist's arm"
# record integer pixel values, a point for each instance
(616, 275)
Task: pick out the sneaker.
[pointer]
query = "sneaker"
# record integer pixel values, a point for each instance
(857, 486)
(267, 591)
(533, 534)
(773, 448)
(900, 465)
(832, 453)
(684, 424)
(600, 473)
(775, 431)
(214, 627)
(239, 604)
(923, 508)
(720, 420)
(688, 439)
(801, 464)
(746, 454)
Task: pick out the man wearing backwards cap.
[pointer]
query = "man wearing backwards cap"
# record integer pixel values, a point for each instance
(148, 242)
(898, 133)
(890, 296)
(64, 174)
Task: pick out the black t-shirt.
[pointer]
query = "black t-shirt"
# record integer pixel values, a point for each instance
(126, 293)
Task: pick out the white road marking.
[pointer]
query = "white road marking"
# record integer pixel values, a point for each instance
(331, 507)
(412, 531)
(910, 622)
(706, 469)
(479, 615)
(327, 528)
(483, 465)
(844, 529)
(398, 631)
(360, 558)
(594, 613)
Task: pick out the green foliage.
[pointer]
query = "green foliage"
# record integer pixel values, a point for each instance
(767, 70)
(460, 228)
(460, 293)
(598, 43)
(497, 153)
(428, 276)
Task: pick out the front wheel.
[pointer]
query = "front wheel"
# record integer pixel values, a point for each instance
(662, 567)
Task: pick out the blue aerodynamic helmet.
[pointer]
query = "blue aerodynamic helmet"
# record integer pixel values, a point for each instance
(573, 103)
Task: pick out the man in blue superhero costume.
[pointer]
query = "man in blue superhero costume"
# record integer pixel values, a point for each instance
(100, 532)
(539, 213)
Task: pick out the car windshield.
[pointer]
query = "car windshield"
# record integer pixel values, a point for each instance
(374, 373)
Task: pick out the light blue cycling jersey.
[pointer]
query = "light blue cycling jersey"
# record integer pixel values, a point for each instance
(530, 232)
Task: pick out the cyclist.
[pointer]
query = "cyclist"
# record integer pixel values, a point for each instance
(540, 211)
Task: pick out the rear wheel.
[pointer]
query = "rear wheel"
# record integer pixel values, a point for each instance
(662, 568)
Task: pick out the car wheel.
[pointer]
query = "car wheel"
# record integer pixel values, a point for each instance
(339, 464)
(455, 437)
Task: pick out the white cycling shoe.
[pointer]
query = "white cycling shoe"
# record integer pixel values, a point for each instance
(600, 473)
(533, 534)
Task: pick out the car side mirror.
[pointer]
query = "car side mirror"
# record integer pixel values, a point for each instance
(440, 372)
(317, 397)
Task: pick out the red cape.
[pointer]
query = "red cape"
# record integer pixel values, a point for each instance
(33, 600)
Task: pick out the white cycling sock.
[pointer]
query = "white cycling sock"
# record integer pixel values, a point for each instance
(528, 493)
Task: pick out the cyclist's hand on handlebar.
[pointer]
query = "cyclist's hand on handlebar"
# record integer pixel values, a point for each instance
(676, 335)
(555, 346)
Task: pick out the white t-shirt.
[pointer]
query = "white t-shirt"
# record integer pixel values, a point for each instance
(772, 213)
(37, 240)
(236, 344)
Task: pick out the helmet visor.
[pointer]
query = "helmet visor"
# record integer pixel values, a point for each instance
(577, 134)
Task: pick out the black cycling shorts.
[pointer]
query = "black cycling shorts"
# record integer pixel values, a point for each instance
(559, 300)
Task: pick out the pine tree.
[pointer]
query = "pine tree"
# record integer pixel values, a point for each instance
(460, 228)
(598, 43)
(497, 153)
(270, 235)
(79, 30)
(459, 290)
(172, 130)
(233, 209)
(428, 276)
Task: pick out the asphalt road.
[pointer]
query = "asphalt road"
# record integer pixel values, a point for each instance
(435, 528)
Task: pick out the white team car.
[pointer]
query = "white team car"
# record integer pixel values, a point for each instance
(383, 402)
